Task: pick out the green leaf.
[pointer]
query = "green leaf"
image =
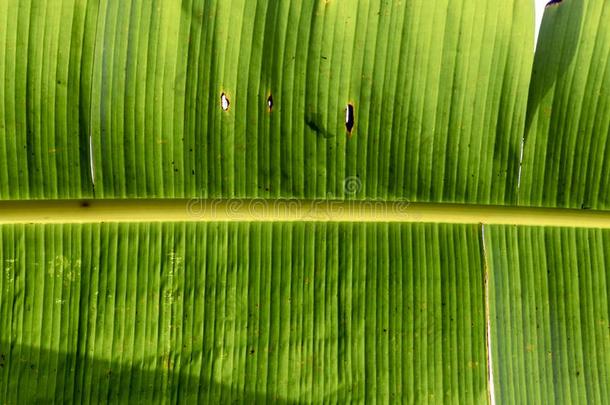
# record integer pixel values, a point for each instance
(165, 101)
(224, 312)
(550, 314)
(44, 73)
(565, 159)
(438, 90)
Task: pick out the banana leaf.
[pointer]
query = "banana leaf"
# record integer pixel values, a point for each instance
(145, 105)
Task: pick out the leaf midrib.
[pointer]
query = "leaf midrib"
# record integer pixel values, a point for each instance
(290, 210)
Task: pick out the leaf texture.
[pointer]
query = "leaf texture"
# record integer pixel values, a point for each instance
(549, 313)
(438, 91)
(224, 99)
(246, 312)
(565, 159)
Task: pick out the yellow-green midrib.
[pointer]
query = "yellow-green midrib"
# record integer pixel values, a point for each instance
(290, 210)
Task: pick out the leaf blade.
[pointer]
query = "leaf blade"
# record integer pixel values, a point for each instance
(242, 311)
(549, 313)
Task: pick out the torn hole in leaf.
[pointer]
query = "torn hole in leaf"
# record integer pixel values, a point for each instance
(224, 102)
(349, 118)
(270, 103)
(91, 162)
(552, 2)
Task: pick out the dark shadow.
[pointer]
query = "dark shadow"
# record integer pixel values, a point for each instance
(33, 375)
(314, 122)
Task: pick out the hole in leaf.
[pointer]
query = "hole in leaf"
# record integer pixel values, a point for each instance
(224, 102)
(349, 118)
(270, 102)
(550, 3)
(92, 163)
